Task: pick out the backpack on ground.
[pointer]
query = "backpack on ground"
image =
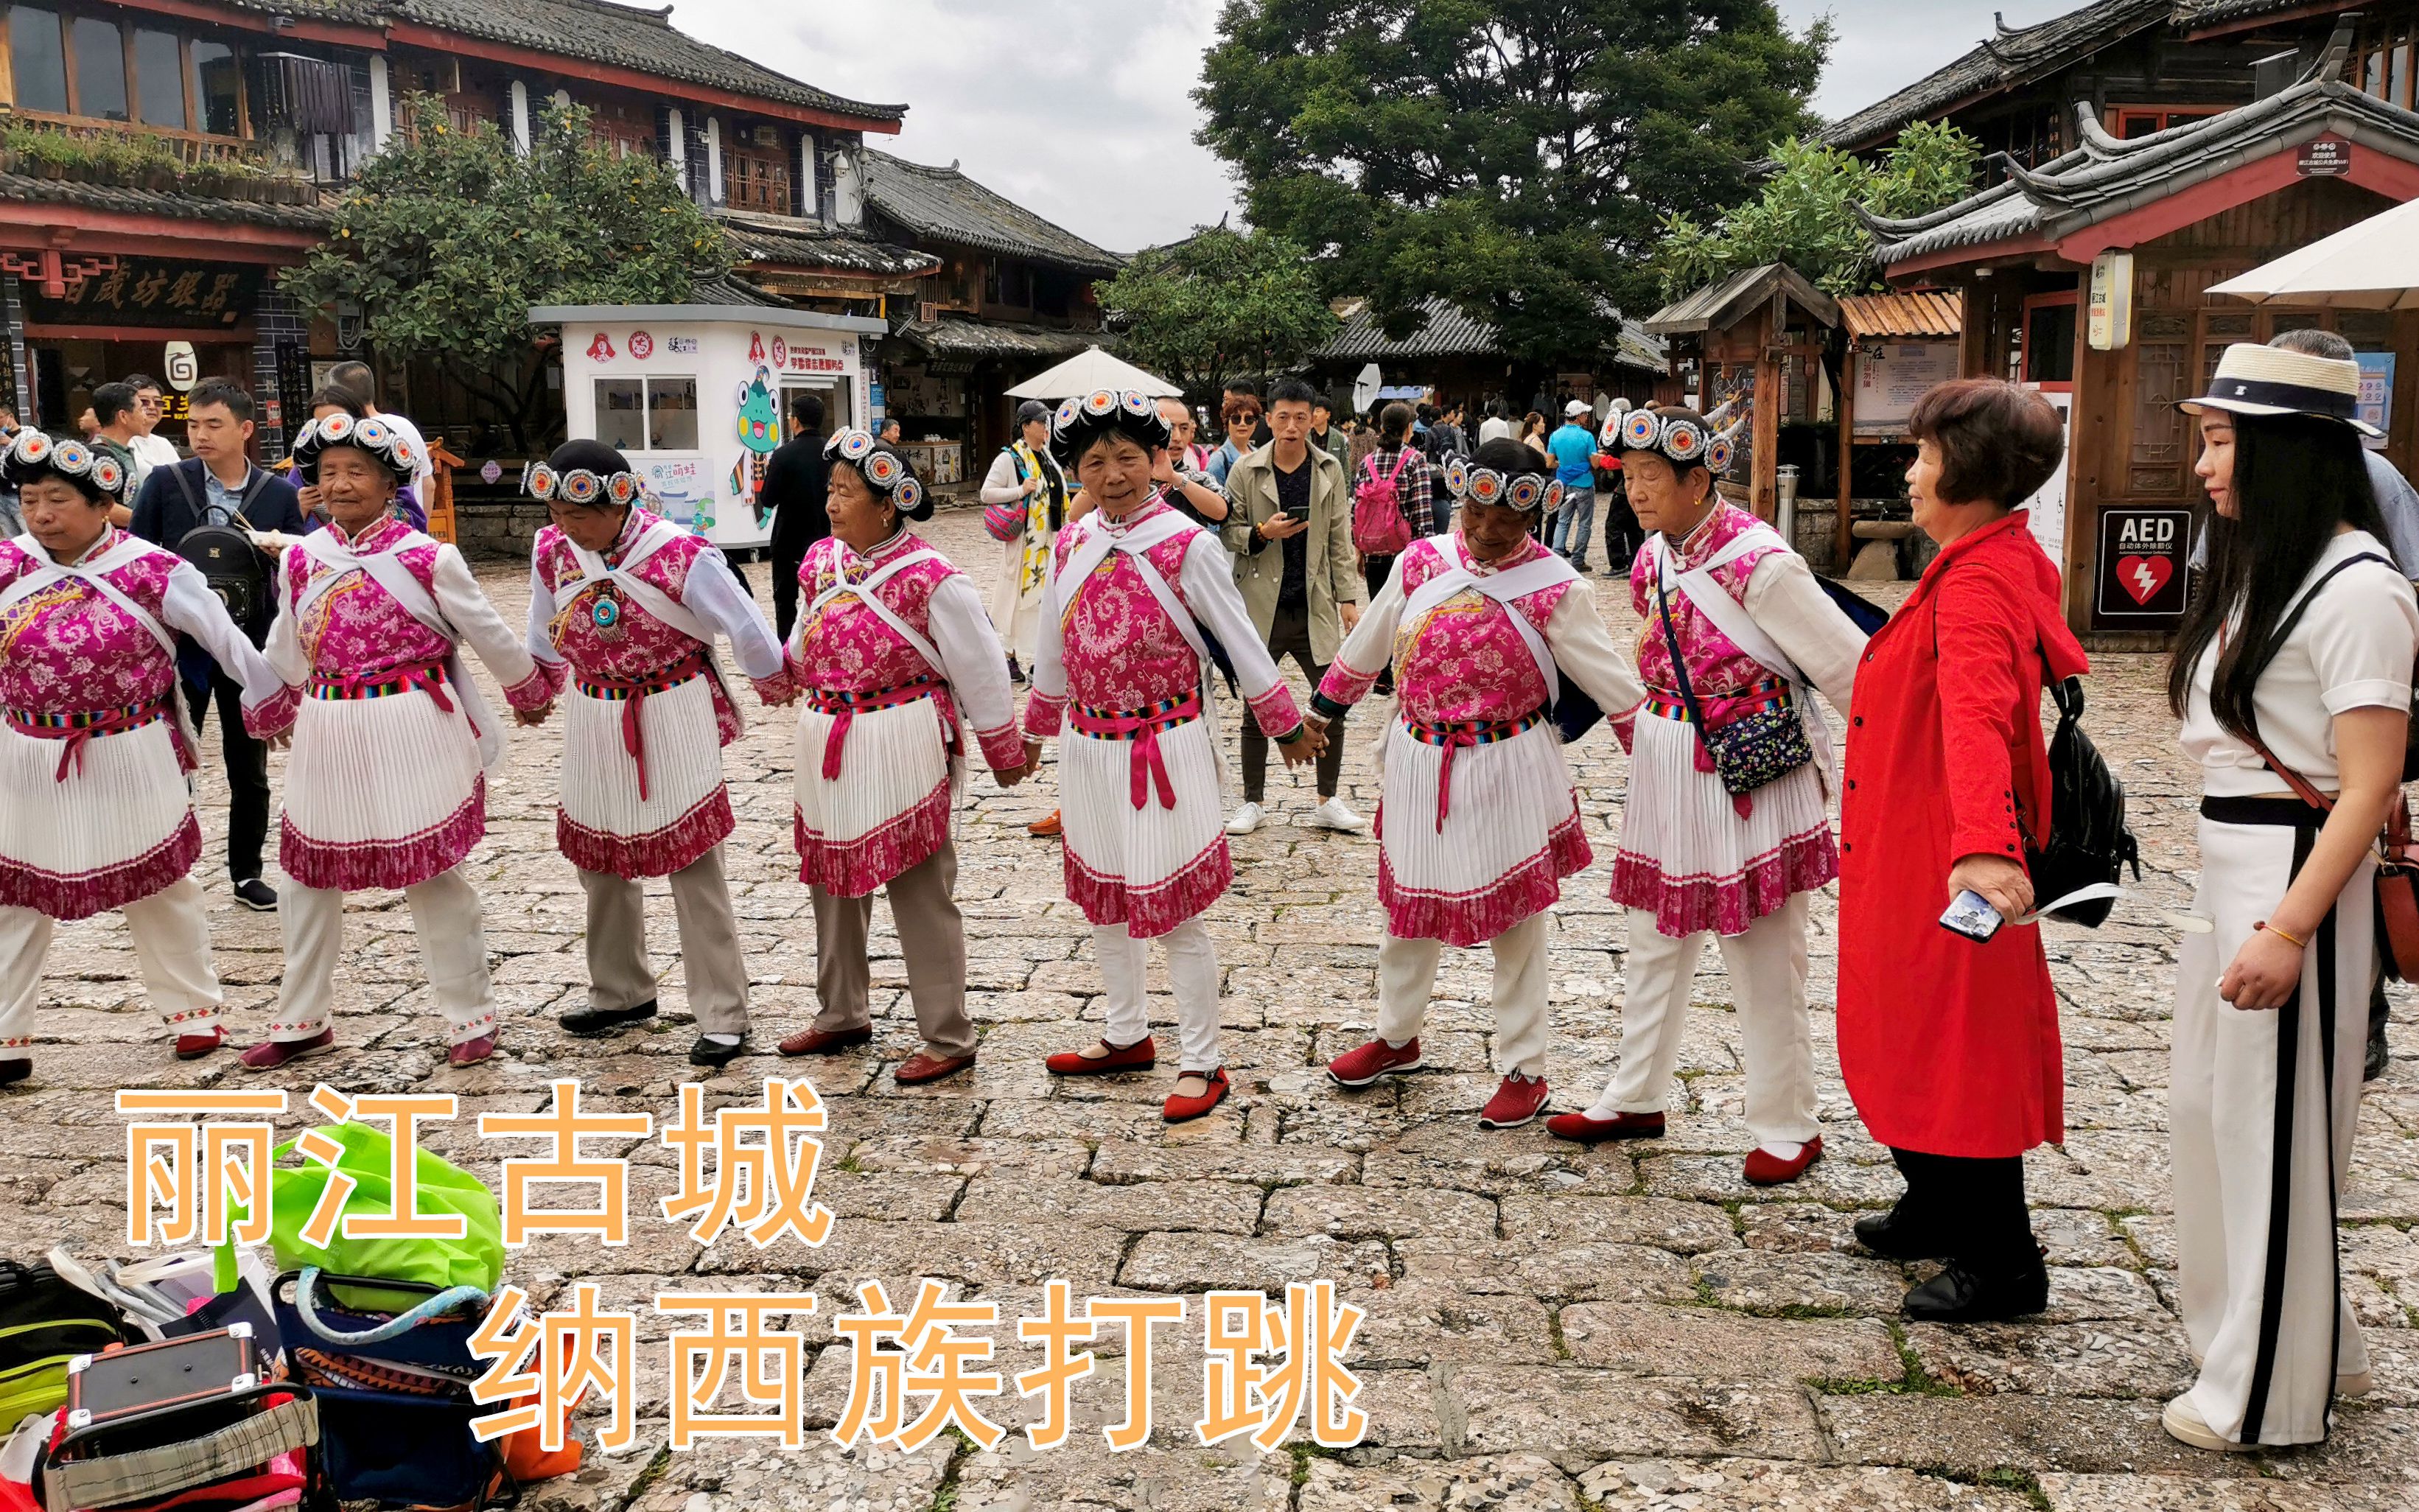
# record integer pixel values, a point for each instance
(1378, 528)
(45, 1323)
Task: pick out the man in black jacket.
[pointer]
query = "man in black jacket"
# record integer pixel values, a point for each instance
(796, 480)
(216, 484)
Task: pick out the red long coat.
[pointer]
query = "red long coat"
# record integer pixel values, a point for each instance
(1950, 1047)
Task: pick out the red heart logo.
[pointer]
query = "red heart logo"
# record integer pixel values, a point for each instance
(2143, 577)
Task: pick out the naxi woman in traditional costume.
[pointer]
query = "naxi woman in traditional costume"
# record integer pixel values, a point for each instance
(1139, 593)
(387, 785)
(1725, 831)
(625, 606)
(97, 813)
(1478, 822)
(891, 646)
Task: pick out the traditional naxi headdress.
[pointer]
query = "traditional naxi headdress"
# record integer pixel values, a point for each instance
(1131, 412)
(1681, 436)
(392, 449)
(591, 473)
(882, 468)
(33, 455)
(1525, 491)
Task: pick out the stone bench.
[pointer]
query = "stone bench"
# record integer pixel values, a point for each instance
(1877, 560)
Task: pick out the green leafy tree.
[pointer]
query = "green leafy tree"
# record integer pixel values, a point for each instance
(1807, 214)
(446, 240)
(1516, 157)
(1219, 304)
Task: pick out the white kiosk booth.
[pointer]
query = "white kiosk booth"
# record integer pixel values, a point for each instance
(697, 395)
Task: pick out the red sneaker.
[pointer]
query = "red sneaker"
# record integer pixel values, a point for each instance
(1587, 1130)
(194, 1044)
(1185, 1109)
(270, 1053)
(1140, 1055)
(1359, 1068)
(1517, 1101)
(1766, 1170)
(471, 1052)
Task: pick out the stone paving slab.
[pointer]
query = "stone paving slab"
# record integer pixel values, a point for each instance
(1628, 1328)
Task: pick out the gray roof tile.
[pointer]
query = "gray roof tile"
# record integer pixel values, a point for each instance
(1450, 331)
(2012, 58)
(791, 241)
(946, 206)
(27, 188)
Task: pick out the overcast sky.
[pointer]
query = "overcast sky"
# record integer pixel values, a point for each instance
(1036, 97)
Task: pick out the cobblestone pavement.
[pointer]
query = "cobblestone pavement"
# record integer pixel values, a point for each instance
(1549, 1327)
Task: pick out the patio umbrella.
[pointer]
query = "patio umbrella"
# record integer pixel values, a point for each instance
(2371, 265)
(1089, 369)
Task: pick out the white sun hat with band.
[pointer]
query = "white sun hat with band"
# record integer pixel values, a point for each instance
(2272, 380)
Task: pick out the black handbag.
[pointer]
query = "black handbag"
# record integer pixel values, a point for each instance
(2088, 843)
(1751, 751)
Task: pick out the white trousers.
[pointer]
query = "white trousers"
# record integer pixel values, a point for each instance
(1767, 970)
(171, 953)
(1407, 971)
(453, 944)
(2261, 1112)
(1191, 970)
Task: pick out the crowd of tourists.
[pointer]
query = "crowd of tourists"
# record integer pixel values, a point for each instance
(1141, 572)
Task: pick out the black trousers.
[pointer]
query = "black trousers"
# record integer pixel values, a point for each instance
(1976, 1206)
(1289, 636)
(247, 772)
(785, 585)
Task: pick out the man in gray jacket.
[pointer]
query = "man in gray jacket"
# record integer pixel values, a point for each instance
(1291, 530)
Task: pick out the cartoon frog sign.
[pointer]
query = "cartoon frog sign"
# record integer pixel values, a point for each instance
(759, 432)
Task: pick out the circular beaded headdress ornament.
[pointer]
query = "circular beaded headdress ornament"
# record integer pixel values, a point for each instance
(392, 450)
(1684, 439)
(1525, 491)
(884, 470)
(1129, 413)
(580, 485)
(33, 454)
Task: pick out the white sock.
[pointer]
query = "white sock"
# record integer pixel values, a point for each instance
(1782, 1148)
(722, 1038)
(1603, 1108)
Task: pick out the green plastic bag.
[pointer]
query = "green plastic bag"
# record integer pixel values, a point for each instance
(475, 1259)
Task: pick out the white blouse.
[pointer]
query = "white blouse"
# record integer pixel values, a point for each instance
(2353, 649)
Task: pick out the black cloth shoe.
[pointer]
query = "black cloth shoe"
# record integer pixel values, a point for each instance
(1897, 1237)
(15, 1071)
(1960, 1295)
(599, 1020)
(2374, 1065)
(714, 1053)
(256, 895)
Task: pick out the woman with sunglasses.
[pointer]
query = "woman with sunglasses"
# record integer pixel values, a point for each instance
(1726, 828)
(624, 609)
(1478, 822)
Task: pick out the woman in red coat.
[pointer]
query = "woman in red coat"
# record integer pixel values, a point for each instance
(1950, 1047)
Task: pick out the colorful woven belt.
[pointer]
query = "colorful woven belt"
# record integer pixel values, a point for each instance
(844, 705)
(420, 677)
(1142, 726)
(1457, 735)
(81, 729)
(1756, 697)
(633, 693)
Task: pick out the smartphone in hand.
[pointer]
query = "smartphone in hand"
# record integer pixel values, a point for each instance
(1970, 915)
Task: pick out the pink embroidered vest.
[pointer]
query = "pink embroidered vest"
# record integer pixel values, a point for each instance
(1464, 660)
(645, 644)
(1121, 649)
(844, 646)
(356, 628)
(69, 650)
(1716, 667)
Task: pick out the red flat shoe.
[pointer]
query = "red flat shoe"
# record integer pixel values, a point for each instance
(1140, 1055)
(1763, 1169)
(1518, 1099)
(1180, 1109)
(1587, 1130)
(270, 1053)
(923, 1066)
(1359, 1068)
(471, 1052)
(1046, 828)
(824, 1041)
(194, 1047)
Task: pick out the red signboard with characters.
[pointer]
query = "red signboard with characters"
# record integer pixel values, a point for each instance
(781, 352)
(641, 344)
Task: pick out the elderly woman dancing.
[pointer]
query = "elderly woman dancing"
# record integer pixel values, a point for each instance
(93, 749)
(387, 785)
(626, 606)
(892, 645)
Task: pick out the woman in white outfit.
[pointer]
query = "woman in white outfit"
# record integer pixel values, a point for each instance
(1026, 475)
(2292, 676)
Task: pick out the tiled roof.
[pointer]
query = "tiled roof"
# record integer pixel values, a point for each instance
(1724, 301)
(787, 242)
(641, 40)
(1926, 312)
(1450, 331)
(27, 189)
(2011, 56)
(2107, 177)
(969, 339)
(946, 206)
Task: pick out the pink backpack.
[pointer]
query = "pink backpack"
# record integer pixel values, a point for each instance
(1378, 528)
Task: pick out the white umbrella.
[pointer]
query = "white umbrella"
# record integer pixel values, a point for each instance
(2371, 265)
(1365, 387)
(1090, 369)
